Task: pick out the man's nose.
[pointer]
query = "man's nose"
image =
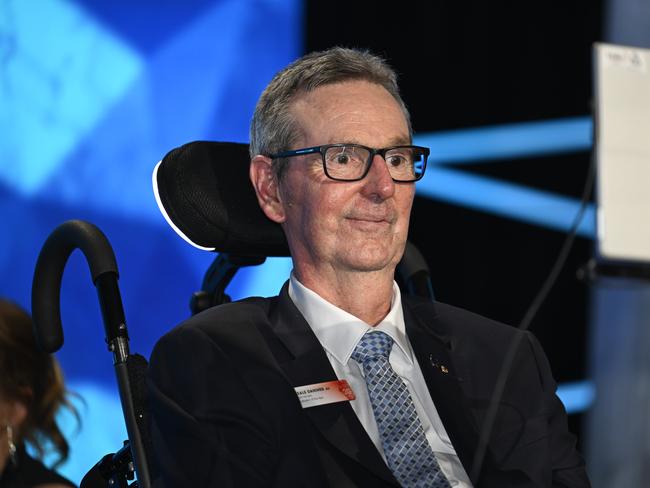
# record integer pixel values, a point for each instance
(378, 181)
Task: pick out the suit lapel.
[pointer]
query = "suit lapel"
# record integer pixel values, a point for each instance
(308, 364)
(432, 349)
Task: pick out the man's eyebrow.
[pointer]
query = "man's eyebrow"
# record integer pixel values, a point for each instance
(400, 141)
(394, 141)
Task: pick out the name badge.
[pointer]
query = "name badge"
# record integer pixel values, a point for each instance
(324, 393)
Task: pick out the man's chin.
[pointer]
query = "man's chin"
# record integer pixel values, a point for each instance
(371, 260)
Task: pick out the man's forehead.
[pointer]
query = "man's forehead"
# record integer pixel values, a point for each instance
(331, 93)
(397, 140)
(339, 110)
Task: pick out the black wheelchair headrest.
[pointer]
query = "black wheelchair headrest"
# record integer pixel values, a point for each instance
(203, 190)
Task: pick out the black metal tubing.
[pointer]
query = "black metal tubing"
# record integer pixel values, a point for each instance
(46, 293)
(217, 277)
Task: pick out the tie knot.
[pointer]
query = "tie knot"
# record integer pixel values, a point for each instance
(372, 345)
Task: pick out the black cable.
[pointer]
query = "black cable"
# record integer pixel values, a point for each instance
(490, 417)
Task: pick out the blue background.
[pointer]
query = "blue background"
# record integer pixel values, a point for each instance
(92, 96)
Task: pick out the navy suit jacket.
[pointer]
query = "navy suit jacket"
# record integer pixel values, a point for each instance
(224, 412)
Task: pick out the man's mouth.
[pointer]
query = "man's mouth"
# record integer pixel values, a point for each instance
(370, 222)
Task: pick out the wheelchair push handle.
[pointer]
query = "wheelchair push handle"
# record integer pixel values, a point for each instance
(46, 314)
(46, 285)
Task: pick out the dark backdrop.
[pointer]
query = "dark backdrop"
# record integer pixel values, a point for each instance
(470, 64)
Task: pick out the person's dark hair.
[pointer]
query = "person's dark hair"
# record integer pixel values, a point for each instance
(33, 378)
(273, 128)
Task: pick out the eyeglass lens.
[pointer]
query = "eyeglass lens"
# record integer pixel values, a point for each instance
(349, 162)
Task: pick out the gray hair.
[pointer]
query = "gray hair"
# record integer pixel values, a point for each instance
(273, 128)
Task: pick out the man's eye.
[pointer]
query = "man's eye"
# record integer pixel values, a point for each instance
(396, 160)
(342, 159)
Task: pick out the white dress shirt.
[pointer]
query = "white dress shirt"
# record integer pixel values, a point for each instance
(339, 332)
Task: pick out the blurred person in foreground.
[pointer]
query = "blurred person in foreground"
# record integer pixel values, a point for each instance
(342, 380)
(31, 394)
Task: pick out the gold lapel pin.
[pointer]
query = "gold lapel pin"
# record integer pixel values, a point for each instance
(435, 364)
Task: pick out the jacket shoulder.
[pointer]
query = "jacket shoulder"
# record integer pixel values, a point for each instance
(225, 318)
(451, 321)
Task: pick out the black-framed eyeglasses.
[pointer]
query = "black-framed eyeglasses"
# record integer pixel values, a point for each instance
(351, 162)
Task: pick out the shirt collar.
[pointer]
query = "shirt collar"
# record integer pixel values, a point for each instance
(339, 331)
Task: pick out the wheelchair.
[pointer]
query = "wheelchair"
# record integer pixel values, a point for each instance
(204, 193)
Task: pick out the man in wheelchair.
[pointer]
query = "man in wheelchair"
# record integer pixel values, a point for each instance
(341, 380)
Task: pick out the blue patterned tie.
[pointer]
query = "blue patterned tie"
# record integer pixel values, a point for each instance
(407, 450)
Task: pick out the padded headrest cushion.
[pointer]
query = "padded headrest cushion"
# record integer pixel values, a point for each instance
(204, 191)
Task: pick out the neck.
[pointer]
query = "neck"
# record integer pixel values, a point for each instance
(366, 295)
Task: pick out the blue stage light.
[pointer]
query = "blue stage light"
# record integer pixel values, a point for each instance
(508, 141)
(505, 199)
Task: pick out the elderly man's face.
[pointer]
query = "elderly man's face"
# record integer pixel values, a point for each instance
(360, 225)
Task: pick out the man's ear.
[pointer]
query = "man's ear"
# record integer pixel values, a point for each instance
(266, 188)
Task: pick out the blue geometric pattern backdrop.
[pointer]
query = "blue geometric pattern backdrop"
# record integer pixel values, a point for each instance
(92, 95)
